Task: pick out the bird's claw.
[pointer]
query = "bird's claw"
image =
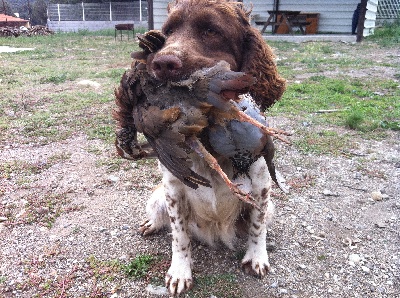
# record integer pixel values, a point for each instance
(245, 197)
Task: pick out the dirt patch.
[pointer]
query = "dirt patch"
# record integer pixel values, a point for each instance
(330, 238)
(70, 211)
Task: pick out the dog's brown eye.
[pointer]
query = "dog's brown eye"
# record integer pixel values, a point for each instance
(210, 32)
(169, 31)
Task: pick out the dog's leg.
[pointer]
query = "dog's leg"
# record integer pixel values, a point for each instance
(156, 209)
(179, 275)
(255, 260)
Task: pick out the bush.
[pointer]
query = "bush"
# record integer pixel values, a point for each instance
(388, 34)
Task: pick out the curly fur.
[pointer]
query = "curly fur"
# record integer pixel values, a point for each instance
(199, 34)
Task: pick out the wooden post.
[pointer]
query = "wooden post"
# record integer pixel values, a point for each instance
(150, 16)
(275, 19)
(361, 20)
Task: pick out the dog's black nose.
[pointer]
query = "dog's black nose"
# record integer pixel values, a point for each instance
(166, 67)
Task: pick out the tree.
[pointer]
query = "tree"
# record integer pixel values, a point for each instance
(5, 8)
(39, 13)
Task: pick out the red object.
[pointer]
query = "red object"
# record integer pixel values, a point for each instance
(10, 21)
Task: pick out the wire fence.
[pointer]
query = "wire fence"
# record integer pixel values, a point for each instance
(112, 11)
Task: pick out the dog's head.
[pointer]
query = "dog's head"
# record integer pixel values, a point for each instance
(202, 32)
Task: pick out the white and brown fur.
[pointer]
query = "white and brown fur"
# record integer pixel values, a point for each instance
(199, 34)
(210, 215)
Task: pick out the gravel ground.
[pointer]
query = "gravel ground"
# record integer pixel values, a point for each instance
(335, 235)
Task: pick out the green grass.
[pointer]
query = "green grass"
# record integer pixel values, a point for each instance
(45, 104)
(104, 270)
(361, 105)
(387, 35)
(140, 266)
(219, 285)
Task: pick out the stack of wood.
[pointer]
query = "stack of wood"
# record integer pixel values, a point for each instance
(35, 30)
(9, 31)
(39, 30)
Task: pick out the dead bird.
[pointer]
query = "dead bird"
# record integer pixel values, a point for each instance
(206, 113)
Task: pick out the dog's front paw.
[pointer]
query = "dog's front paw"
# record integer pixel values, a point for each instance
(148, 227)
(256, 263)
(179, 278)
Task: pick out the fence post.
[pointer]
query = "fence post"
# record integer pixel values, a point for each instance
(83, 12)
(110, 12)
(58, 12)
(140, 10)
(361, 20)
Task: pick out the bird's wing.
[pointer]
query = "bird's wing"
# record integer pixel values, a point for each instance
(129, 94)
(168, 143)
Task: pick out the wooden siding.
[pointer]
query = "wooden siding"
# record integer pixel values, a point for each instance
(370, 17)
(160, 12)
(335, 15)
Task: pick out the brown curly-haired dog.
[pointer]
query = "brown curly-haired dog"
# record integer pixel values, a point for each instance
(199, 34)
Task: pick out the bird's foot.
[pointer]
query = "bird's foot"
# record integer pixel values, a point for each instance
(243, 196)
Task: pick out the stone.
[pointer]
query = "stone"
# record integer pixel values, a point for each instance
(283, 291)
(113, 178)
(274, 284)
(89, 83)
(327, 192)
(355, 258)
(376, 196)
(157, 290)
(365, 269)
(302, 266)
(381, 225)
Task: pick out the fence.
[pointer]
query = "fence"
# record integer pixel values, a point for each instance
(95, 16)
(388, 11)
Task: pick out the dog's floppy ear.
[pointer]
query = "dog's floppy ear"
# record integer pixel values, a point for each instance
(258, 60)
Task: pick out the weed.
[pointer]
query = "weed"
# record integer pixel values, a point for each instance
(104, 270)
(105, 132)
(55, 79)
(393, 125)
(387, 35)
(360, 104)
(139, 267)
(354, 119)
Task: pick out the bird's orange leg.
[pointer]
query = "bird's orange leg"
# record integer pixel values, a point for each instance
(274, 132)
